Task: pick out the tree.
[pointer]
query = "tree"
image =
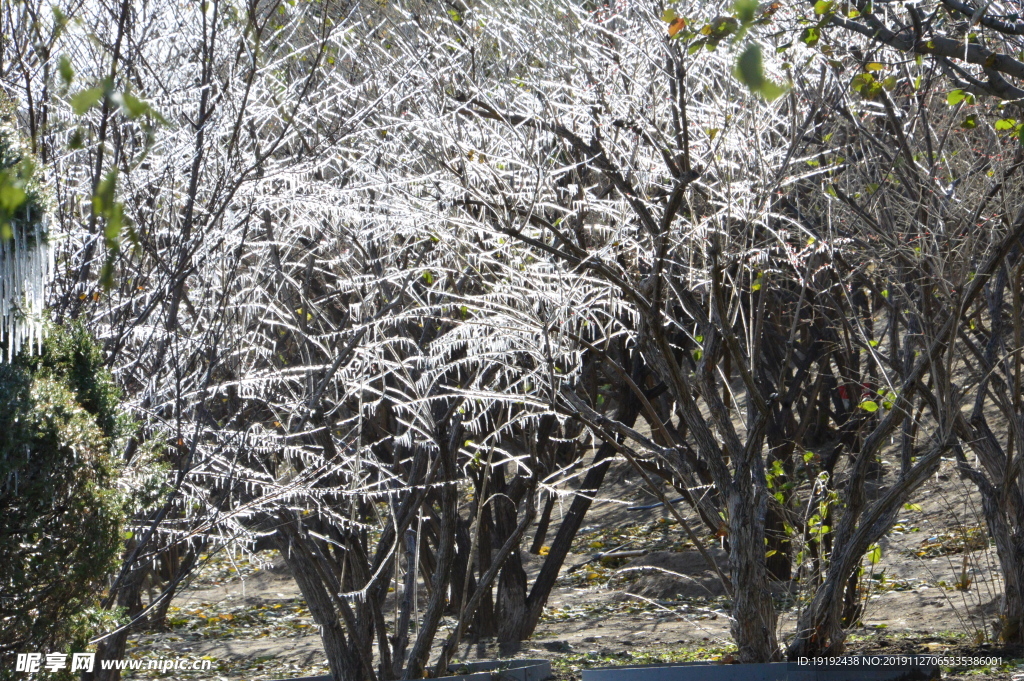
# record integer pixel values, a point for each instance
(965, 230)
(156, 256)
(420, 260)
(974, 46)
(61, 514)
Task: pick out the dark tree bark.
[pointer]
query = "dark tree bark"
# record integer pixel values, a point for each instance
(627, 413)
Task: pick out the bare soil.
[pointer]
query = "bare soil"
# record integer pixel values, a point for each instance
(935, 589)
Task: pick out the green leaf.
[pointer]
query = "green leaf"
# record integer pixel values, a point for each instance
(873, 343)
(745, 10)
(1006, 124)
(82, 101)
(874, 553)
(869, 406)
(913, 507)
(11, 196)
(750, 72)
(955, 97)
(772, 90)
(823, 7)
(134, 107)
(750, 69)
(67, 74)
(115, 220)
(874, 66)
(808, 457)
(104, 198)
(970, 122)
(668, 16)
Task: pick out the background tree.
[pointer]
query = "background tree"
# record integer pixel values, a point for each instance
(953, 235)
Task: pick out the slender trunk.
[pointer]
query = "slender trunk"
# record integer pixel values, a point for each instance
(342, 659)
(401, 639)
(542, 526)
(512, 581)
(1010, 552)
(1011, 607)
(461, 566)
(511, 603)
(820, 629)
(485, 625)
(442, 576)
(627, 414)
(754, 623)
(449, 647)
(158, 618)
(113, 647)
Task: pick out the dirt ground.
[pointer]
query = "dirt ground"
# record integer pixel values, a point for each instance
(934, 589)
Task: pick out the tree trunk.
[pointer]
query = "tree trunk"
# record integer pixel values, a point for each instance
(442, 576)
(542, 526)
(511, 603)
(820, 628)
(158, 618)
(342, 659)
(754, 622)
(1011, 608)
(628, 411)
(1010, 551)
(113, 647)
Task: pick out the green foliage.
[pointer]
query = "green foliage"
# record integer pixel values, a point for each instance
(21, 201)
(957, 96)
(750, 72)
(61, 517)
(70, 356)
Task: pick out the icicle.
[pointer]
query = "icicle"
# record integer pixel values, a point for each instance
(26, 265)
